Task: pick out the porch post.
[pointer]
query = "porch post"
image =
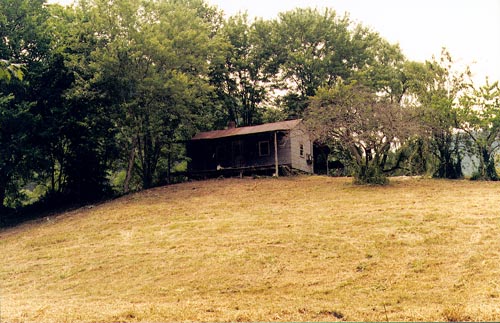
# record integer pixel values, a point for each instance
(327, 168)
(276, 153)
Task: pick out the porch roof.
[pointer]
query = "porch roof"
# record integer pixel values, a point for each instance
(268, 127)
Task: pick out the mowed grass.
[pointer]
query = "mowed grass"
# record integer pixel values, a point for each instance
(290, 249)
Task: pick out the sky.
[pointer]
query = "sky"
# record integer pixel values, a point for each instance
(469, 29)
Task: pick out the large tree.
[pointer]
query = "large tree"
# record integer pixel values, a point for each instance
(75, 131)
(319, 47)
(242, 76)
(437, 88)
(315, 51)
(23, 42)
(153, 70)
(365, 124)
(480, 116)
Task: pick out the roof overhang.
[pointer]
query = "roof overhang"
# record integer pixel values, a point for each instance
(268, 127)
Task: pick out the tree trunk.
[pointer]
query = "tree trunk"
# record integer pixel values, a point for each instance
(488, 171)
(276, 163)
(2, 197)
(458, 163)
(53, 177)
(483, 162)
(147, 172)
(448, 166)
(327, 166)
(3, 193)
(130, 168)
(169, 162)
(491, 170)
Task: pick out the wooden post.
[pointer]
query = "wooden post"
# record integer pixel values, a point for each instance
(327, 168)
(169, 162)
(276, 153)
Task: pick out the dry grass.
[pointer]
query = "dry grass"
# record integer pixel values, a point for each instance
(293, 249)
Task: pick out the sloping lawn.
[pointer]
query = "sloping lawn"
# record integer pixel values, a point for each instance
(290, 249)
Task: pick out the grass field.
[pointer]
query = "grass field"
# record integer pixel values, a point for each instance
(290, 249)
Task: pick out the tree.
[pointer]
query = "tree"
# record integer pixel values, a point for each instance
(385, 66)
(152, 69)
(364, 124)
(315, 51)
(435, 88)
(24, 43)
(242, 77)
(74, 132)
(317, 48)
(480, 115)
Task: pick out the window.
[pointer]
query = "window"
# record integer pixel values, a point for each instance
(264, 148)
(301, 150)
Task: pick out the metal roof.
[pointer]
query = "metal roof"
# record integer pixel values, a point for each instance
(268, 127)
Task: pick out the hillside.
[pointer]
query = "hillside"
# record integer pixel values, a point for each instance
(288, 249)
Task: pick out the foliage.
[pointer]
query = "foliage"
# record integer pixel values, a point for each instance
(317, 48)
(413, 157)
(364, 124)
(480, 114)
(242, 76)
(146, 69)
(436, 88)
(23, 44)
(77, 131)
(9, 70)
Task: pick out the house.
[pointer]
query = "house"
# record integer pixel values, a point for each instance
(269, 147)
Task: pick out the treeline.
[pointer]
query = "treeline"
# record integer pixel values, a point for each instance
(96, 97)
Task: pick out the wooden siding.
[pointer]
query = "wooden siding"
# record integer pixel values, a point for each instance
(252, 148)
(238, 152)
(303, 162)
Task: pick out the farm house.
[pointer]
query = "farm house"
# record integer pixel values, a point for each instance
(274, 147)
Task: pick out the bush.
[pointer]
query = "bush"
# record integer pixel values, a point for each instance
(369, 175)
(490, 175)
(491, 171)
(476, 176)
(497, 163)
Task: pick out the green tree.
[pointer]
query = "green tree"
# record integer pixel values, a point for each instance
(385, 67)
(74, 130)
(242, 76)
(437, 89)
(23, 42)
(153, 70)
(480, 116)
(364, 124)
(317, 48)
(314, 47)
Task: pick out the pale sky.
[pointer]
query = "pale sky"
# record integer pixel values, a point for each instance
(469, 29)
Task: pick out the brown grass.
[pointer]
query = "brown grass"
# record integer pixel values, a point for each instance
(292, 249)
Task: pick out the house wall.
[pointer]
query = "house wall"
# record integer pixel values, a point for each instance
(284, 148)
(299, 138)
(239, 151)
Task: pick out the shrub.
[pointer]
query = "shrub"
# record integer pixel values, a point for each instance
(369, 175)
